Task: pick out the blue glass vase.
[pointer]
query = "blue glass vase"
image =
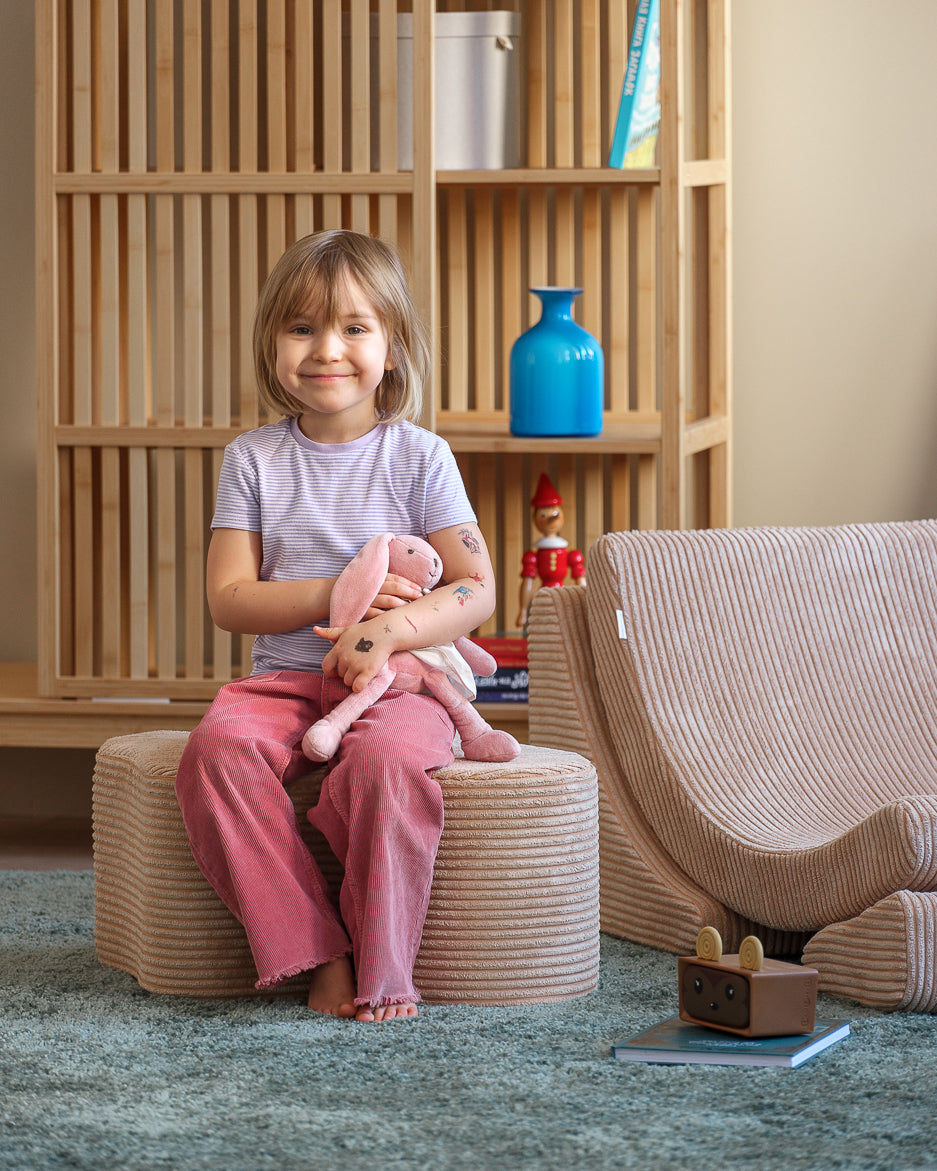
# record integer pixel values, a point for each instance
(557, 373)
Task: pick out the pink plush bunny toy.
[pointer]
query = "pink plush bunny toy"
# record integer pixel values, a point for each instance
(442, 671)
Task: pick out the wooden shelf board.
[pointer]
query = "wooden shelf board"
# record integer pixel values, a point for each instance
(28, 720)
(638, 438)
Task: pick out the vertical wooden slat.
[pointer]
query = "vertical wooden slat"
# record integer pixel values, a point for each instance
(512, 290)
(304, 76)
(514, 512)
(192, 86)
(333, 141)
(590, 41)
(136, 349)
(165, 565)
(51, 583)
(194, 563)
(84, 536)
(565, 234)
(672, 267)
(221, 325)
(275, 203)
(537, 94)
(220, 88)
(564, 104)
(592, 269)
(109, 537)
(248, 286)
(360, 125)
(488, 515)
(720, 219)
(247, 239)
(193, 333)
(619, 515)
(222, 642)
(387, 115)
(423, 250)
(616, 342)
(483, 308)
(458, 343)
(646, 307)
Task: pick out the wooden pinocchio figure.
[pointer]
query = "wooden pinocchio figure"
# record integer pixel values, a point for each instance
(551, 558)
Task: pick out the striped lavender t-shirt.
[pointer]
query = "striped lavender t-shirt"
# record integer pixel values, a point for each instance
(316, 505)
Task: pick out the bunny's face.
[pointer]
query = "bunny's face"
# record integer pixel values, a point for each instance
(416, 560)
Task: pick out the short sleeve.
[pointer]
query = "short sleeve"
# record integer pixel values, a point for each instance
(237, 503)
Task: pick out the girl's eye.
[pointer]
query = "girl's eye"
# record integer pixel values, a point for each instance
(355, 330)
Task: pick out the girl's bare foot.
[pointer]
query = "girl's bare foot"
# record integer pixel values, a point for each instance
(387, 1012)
(332, 990)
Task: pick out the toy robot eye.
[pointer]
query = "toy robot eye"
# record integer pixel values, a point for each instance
(697, 985)
(730, 992)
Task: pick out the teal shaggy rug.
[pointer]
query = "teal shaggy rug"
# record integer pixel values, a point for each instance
(98, 1074)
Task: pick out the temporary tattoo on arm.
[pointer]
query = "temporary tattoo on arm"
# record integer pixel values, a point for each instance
(409, 623)
(462, 594)
(363, 645)
(387, 628)
(477, 577)
(470, 541)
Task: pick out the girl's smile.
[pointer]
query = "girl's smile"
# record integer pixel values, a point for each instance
(335, 367)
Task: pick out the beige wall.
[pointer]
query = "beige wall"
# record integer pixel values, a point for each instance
(835, 109)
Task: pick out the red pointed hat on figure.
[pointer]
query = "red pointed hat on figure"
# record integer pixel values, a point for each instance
(546, 495)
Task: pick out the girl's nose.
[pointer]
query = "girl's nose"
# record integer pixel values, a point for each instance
(327, 346)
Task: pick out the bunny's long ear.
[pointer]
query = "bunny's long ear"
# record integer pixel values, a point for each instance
(359, 582)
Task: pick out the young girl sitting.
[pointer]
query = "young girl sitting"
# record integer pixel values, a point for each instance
(339, 351)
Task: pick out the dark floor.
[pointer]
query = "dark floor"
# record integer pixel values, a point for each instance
(53, 844)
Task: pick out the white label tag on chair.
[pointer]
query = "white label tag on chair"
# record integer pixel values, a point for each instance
(622, 633)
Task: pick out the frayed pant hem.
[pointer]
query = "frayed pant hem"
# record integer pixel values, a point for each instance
(272, 981)
(387, 1001)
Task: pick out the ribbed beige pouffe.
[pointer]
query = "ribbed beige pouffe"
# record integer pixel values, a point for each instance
(513, 915)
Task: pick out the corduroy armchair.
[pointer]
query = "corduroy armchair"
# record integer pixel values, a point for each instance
(760, 705)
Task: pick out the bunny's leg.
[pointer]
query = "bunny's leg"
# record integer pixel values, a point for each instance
(321, 741)
(479, 740)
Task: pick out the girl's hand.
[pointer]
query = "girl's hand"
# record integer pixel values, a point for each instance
(358, 652)
(396, 591)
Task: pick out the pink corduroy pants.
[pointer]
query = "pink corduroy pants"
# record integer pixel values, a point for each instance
(380, 810)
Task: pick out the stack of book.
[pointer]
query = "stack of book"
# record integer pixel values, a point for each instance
(509, 683)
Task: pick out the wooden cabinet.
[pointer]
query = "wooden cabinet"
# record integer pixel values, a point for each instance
(181, 146)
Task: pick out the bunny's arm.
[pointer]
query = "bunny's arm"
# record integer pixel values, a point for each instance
(464, 602)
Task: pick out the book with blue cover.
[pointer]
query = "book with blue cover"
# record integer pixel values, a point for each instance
(675, 1042)
(635, 138)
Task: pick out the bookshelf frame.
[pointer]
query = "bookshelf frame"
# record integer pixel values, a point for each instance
(181, 146)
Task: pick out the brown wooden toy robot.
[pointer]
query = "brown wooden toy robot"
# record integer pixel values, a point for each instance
(745, 994)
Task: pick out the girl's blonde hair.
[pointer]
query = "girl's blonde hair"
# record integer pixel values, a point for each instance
(313, 272)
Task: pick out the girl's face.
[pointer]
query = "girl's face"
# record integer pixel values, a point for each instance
(334, 369)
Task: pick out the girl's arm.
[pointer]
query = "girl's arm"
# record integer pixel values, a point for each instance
(463, 602)
(240, 602)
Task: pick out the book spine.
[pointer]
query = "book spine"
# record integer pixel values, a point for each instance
(637, 57)
(504, 679)
(502, 696)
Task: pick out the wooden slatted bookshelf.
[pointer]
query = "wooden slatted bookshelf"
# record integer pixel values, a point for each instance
(181, 146)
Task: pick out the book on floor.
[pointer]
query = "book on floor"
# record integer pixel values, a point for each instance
(675, 1042)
